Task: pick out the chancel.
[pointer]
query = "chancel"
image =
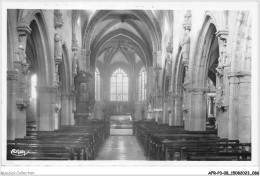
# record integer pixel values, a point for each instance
(128, 85)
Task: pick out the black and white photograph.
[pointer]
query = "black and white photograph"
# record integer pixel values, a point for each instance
(147, 88)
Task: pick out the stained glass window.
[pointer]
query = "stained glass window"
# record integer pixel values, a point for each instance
(119, 86)
(142, 84)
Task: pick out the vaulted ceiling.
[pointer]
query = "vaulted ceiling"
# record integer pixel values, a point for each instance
(135, 32)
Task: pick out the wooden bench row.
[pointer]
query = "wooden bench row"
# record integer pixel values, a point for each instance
(78, 142)
(161, 142)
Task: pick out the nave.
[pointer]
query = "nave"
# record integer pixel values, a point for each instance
(180, 79)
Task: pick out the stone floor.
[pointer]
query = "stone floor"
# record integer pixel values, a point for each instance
(121, 132)
(121, 148)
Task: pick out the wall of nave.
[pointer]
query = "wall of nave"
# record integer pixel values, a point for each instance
(198, 68)
(230, 77)
(43, 49)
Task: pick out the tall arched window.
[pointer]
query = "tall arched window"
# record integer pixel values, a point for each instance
(97, 85)
(119, 86)
(142, 84)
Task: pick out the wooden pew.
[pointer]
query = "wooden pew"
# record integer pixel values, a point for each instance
(69, 142)
(77, 146)
(199, 148)
(230, 151)
(38, 152)
(99, 130)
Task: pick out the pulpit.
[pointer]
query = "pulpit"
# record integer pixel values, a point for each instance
(84, 97)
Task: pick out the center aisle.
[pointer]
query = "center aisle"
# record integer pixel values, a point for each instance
(121, 148)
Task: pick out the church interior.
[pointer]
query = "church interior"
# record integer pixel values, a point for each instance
(128, 85)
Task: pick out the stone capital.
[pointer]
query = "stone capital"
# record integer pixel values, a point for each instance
(185, 63)
(239, 77)
(58, 60)
(12, 74)
(45, 89)
(22, 104)
(177, 96)
(238, 74)
(18, 65)
(23, 29)
(85, 52)
(197, 89)
(74, 45)
(222, 34)
(157, 53)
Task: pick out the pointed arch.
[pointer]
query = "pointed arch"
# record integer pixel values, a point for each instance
(199, 61)
(119, 85)
(198, 75)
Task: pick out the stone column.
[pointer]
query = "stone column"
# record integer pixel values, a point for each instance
(132, 86)
(149, 80)
(185, 106)
(197, 115)
(178, 110)
(46, 108)
(106, 80)
(22, 97)
(72, 107)
(55, 92)
(186, 111)
(159, 69)
(244, 118)
(57, 57)
(85, 61)
(133, 82)
(165, 112)
(239, 121)
(57, 60)
(211, 106)
(75, 70)
(12, 76)
(222, 85)
(22, 101)
(186, 95)
(168, 109)
(172, 116)
(106, 87)
(159, 108)
(65, 109)
(57, 116)
(186, 39)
